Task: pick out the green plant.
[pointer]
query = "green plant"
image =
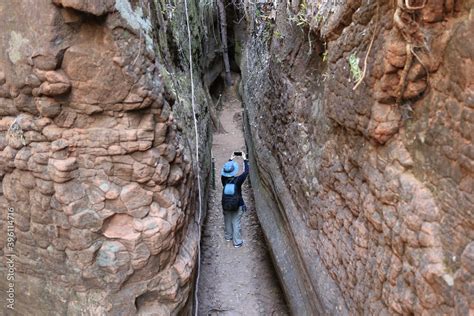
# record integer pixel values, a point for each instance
(126, 34)
(318, 18)
(300, 17)
(354, 67)
(278, 34)
(449, 266)
(325, 56)
(267, 32)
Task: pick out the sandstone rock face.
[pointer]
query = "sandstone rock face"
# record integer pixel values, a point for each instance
(365, 195)
(97, 156)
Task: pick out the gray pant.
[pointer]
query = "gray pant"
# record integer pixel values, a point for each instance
(232, 229)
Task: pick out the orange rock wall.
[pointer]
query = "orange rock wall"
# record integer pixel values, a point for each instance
(96, 157)
(365, 195)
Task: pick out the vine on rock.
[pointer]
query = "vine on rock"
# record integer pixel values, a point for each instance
(411, 32)
(361, 78)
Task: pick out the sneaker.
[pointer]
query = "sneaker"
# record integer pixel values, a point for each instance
(239, 245)
(228, 239)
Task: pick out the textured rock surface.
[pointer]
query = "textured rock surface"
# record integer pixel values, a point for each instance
(366, 196)
(96, 158)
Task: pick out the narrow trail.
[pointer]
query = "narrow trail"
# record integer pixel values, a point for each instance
(235, 281)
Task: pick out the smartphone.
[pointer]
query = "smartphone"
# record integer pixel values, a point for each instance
(237, 153)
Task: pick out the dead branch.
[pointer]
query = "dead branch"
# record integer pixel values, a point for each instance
(225, 49)
(402, 83)
(365, 62)
(368, 51)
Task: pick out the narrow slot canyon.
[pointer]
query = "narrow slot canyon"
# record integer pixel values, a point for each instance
(235, 281)
(117, 116)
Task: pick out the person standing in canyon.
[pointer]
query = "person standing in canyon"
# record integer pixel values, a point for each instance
(233, 204)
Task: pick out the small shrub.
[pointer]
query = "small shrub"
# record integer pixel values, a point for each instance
(354, 67)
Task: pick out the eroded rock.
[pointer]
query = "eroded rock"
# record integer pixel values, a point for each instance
(95, 7)
(364, 184)
(83, 109)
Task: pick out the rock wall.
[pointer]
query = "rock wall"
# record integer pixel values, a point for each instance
(97, 155)
(364, 190)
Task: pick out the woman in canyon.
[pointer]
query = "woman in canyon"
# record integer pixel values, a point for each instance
(233, 204)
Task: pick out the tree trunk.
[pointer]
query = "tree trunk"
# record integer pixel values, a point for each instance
(216, 122)
(225, 51)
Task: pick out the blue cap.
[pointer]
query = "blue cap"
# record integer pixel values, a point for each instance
(230, 169)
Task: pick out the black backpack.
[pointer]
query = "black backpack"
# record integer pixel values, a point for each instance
(230, 197)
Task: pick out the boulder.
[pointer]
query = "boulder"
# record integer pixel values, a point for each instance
(120, 226)
(54, 89)
(134, 197)
(175, 176)
(87, 219)
(65, 165)
(94, 7)
(140, 256)
(113, 257)
(48, 107)
(45, 62)
(69, 192)
(92, 85)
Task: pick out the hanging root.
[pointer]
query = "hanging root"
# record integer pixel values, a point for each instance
(408, 6)
(403, 77)
(309, 42)
(410, 31)
(368, 51)
(365, 62)
(421, 62)
(405, 23)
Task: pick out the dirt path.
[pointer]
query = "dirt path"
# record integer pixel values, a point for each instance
(235, 281)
